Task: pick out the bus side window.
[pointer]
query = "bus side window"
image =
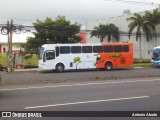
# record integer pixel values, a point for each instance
(97, 49)
(118, 48)
(107, 48)
(65, 49)
(57, 51)
(50, 55)
(125, 48)
(86, 49)
(75, 49)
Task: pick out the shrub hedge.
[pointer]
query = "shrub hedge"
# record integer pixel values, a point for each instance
(30, 62)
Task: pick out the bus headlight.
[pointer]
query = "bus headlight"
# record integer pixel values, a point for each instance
(98, 56)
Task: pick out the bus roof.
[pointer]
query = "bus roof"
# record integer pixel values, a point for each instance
(116, 44)
(156, 47)
(86, 44)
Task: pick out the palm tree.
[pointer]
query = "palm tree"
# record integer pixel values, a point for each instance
(105, 30)
(113, 31)
(154, 19)
(99, 32)
(141, 25)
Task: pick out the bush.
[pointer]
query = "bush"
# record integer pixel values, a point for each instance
(31, 61)
(3, 60)
(137, 60)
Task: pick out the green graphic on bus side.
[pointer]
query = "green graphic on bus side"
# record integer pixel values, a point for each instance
(77, 60)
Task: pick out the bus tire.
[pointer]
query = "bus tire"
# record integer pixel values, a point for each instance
(108, 66)
(59, 67)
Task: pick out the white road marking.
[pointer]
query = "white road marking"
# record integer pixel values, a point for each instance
(83, 84)
(84, 102)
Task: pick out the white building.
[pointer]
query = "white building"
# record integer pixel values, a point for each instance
(122, 23)
(16, 41)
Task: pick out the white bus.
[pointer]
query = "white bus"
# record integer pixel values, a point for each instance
(62, 57)
(155, 60)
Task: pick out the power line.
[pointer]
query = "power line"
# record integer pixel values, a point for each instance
(135, 2)
(17, 28)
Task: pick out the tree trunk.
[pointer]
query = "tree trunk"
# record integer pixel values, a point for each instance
(101, 40)
(140, 48)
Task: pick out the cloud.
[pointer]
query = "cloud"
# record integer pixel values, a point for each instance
(81, 11)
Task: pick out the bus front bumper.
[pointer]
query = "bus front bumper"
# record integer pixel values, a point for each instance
(156, 64)
(43, 68)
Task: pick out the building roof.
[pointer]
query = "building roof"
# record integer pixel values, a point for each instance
(14, 43)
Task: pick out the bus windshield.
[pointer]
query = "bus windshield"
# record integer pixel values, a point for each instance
(156, 54)
(41, 53)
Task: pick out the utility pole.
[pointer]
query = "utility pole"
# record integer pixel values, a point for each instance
(10, 32)
(8, 53)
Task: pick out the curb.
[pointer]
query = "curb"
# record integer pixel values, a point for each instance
(26, 70)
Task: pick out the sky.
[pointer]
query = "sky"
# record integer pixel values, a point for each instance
(81, 11)
(25, 12)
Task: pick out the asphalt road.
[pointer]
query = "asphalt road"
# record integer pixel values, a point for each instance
(36, 78)
(95, 90)
(122, 95)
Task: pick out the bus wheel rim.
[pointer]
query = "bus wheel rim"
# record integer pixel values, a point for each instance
(60, 68)
(108, 67)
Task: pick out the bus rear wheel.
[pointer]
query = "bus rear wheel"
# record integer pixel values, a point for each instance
(108, 66)
(60, 67)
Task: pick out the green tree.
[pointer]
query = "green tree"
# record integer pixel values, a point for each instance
(154, 19)
(52, 31)
(141, 25)
(109, 30)
(32, 44)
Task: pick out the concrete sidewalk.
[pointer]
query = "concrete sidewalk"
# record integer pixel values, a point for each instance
(37, 69)
(26, 70)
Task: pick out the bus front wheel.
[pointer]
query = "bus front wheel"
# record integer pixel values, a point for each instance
(60, 67)
(108, 66)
